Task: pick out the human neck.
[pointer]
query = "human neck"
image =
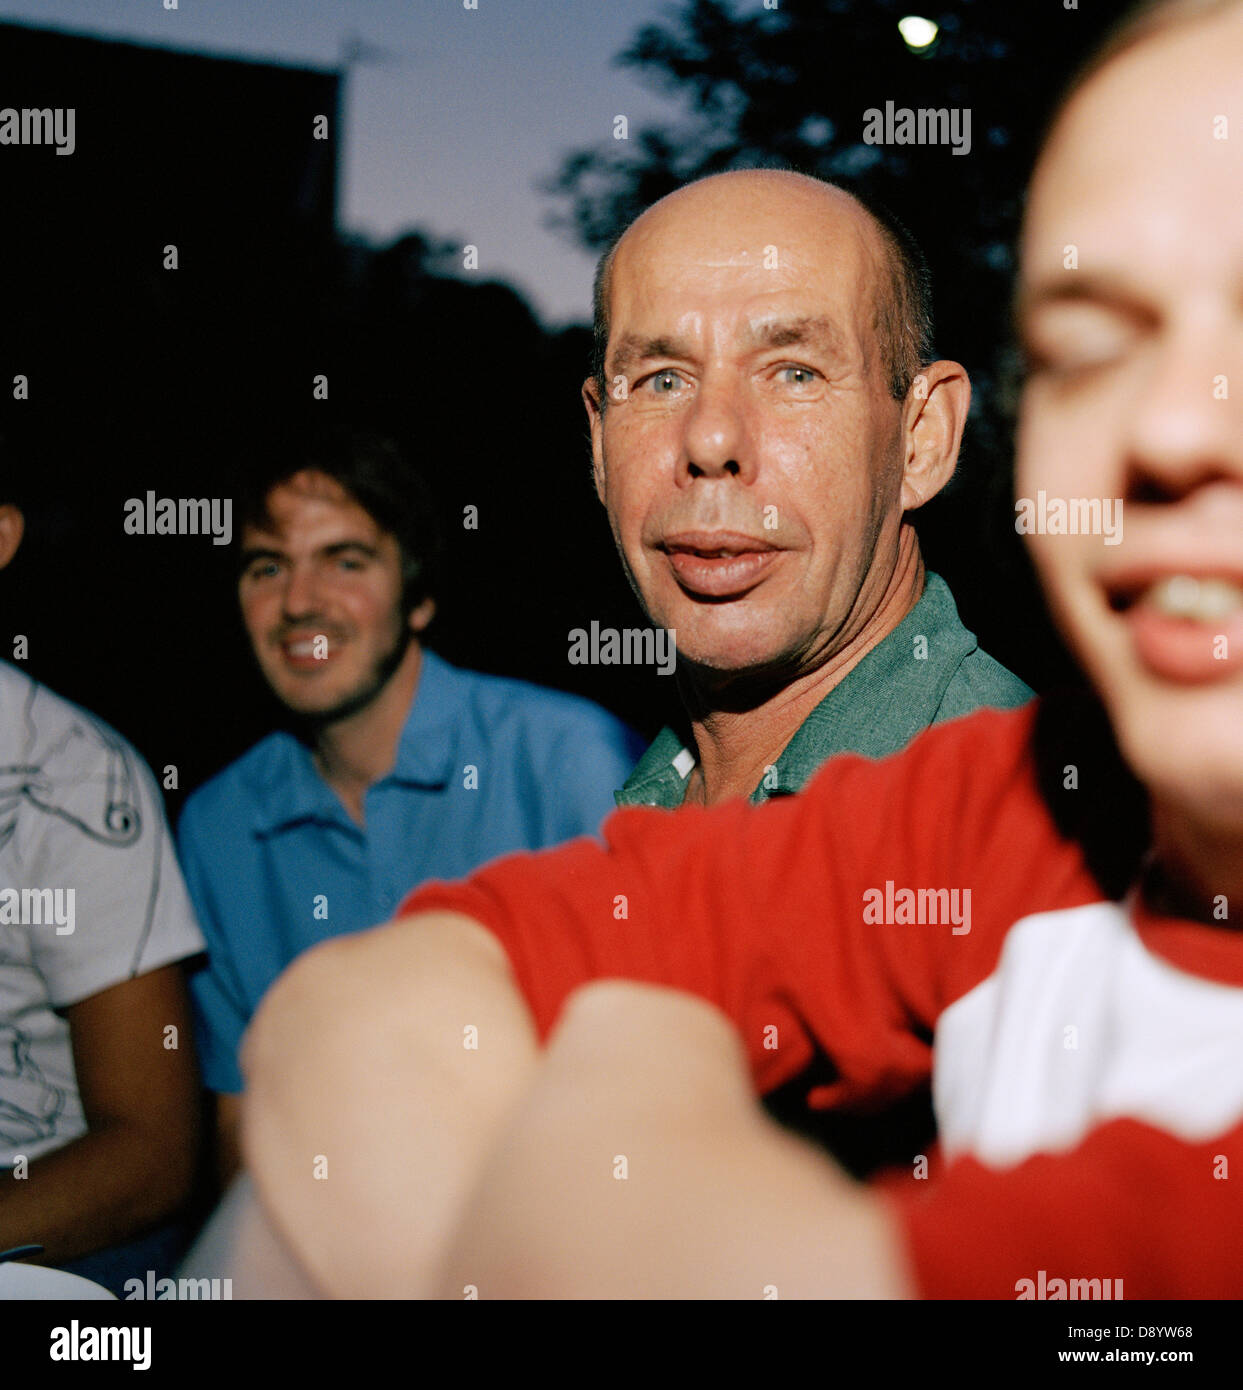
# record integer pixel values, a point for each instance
(736, 744)
(1197, 863)
(353, 753)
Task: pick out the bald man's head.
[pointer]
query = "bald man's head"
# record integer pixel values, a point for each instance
(903, 297)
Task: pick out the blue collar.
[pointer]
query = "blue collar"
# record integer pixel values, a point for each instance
(289, 790)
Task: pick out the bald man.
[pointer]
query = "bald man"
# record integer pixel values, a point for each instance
(765, 417)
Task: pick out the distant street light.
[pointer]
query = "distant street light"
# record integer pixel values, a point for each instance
(917, 33)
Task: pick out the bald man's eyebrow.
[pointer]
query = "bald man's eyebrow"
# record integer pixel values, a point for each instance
(819, 332)
(632, 348)
(810, 330)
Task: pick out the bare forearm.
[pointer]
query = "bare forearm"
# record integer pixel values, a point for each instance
(641, 1166)
(103, 1188)
(379, 1071)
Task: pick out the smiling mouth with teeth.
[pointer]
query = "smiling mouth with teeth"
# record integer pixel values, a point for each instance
(1197, 600)
(313, 649)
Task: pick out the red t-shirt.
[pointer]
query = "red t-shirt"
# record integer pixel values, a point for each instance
(922, 917)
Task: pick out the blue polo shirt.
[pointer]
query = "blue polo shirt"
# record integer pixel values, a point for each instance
(274, 863)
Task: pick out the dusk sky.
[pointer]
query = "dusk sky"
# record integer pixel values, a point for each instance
(450, 125)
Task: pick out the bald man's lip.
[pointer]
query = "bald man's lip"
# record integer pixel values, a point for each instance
(715, 543)
(719, 564)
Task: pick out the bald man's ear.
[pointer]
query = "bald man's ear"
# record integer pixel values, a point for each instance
(595, 418)
(12, 528)
(934, 417)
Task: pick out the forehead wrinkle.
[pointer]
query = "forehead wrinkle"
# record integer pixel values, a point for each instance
(809, 328)
(769, 333)
(841, 238)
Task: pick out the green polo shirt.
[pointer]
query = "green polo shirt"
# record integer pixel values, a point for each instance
(903, 685)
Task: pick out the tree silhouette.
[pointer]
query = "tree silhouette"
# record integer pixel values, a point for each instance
(790, 86)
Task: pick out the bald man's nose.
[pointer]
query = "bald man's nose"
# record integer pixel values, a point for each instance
(1184, 428)
(716, 442)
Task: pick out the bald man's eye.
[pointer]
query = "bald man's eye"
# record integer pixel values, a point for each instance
(797, 376)
(794, 381)
(663, 383)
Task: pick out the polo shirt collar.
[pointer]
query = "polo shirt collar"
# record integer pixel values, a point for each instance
(876, 709)
(659, 777)
(888, 698)
(427, 749)
(290, 789)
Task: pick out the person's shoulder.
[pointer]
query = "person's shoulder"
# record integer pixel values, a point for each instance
(214, 805)
(981, 681)
(88, 777)
(977, 680)
(55, 733)
(990, 729)
(551, 714)
(34, 711)
(15, 684)
(985, 747)
(961, 793)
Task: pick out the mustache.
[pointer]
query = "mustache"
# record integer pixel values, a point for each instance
(305, 632)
